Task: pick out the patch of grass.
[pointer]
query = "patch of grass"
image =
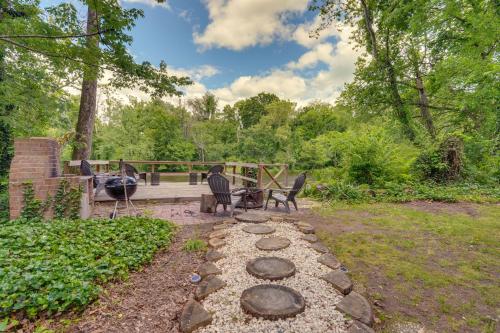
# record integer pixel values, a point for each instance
(448, 261)
(57, 265)
(195, 245)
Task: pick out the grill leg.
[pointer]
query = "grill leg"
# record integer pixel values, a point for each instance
(113, 214)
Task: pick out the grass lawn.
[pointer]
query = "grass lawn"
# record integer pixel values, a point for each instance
(432, 263)
(50, 267)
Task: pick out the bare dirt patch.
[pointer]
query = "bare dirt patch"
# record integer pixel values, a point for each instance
(436, 207)
(151, 300)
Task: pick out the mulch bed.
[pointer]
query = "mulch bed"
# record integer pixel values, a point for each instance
(151, 300)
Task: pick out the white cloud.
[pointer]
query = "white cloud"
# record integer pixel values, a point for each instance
(152, 3)
(238, 24)
(289, 83)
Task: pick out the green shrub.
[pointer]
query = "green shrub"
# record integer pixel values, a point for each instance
(195, 245)
(57, 265)
(4, 199)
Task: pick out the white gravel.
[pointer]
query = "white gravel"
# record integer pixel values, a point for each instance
(320, 314)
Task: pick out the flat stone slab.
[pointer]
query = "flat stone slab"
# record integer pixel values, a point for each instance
(319, 247)
(222, 233)
(207, 269)
(209, 285)
(270, 301)
(271, 268)
(193, 317)
(306, 229)
(216, 242)
(220, 227)
(258, 229)
(329, 260)
(229, 222)
(359, 327)
(357, 307)
(272, 243)
(339, 280)
(213, 255)
(311, 238)
(252, 218)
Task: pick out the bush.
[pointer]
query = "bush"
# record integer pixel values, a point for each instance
(57, 265)
(4, 199)
(195, 245)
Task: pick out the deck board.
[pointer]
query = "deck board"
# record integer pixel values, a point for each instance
(165, 192)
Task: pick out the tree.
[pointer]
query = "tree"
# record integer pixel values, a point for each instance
(205, 107)
(250, 110)
(102, 47)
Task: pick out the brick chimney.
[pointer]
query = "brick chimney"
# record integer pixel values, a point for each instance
(35, 160)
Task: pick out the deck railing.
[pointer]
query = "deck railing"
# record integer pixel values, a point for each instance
(256, 177)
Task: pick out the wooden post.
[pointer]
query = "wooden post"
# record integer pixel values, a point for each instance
(152, 168)
(260, 176)
(286, 175)
(207, 204)
(234, 172)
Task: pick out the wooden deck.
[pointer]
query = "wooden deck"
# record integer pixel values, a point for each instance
(165, 192)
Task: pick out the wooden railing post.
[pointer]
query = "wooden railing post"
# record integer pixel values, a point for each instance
(260, 175)
(234, 172)
(286, 175)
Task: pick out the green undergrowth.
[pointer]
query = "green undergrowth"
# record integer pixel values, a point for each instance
(338, 191)
(442, 264)
(195, 245)
(53, 266)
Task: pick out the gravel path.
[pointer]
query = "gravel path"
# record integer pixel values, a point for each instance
(320, 314)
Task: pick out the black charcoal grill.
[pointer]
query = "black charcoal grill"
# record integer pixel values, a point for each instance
(115, 189)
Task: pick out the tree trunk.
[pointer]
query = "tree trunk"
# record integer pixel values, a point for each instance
(88, 99)
(424, 105)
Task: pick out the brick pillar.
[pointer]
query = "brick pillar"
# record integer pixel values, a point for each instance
(35, 160)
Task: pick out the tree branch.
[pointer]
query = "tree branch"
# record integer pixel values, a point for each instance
(57, 37)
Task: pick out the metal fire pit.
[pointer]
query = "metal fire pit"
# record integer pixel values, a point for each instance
(255, 198)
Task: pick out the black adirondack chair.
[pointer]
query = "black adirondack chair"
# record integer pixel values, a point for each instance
(287, 195)
(223, 196)
(212, 171)
(86, 170)
(131, 171)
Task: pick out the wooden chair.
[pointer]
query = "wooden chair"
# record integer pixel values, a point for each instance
(285, 195)
(131, 171)
(212, 171)
(219, 186)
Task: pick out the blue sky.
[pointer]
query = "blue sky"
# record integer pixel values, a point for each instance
(238, 48)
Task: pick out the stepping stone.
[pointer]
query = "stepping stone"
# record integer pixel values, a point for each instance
(359, 327)
(220, 227)
(258, 229)
(213, 255)
(218, 234)
(193, 317)
(339, 280)
(270, 301)
(277, 219)
(209, 285)
(357, 307)
(306, 228)
(319, 247)
(311, 238)
(272, 243)
(252, 218)
(271, 268)
(329, 260)
(229, 222)
(216, 242)
(290, 219)
(207, 269)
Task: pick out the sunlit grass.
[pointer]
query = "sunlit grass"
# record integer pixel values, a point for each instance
(424, 253)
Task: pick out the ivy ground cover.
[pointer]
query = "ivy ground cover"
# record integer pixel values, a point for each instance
(57, 265)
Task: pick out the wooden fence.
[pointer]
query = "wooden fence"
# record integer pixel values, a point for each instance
(252, 174)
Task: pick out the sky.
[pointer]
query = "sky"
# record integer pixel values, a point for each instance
(239, 48)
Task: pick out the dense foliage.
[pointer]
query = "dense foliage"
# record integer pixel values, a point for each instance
(56, 265)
